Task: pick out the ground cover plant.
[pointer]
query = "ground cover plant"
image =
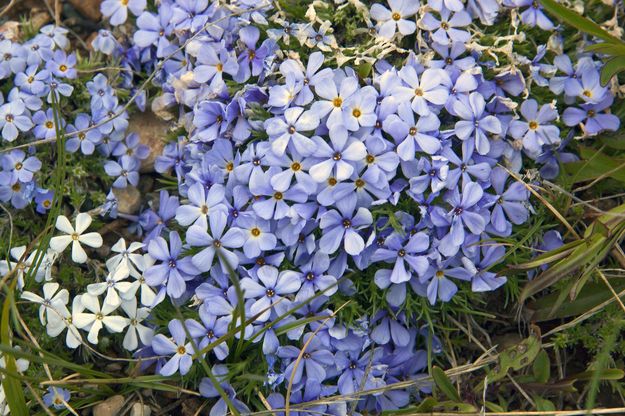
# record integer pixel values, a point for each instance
(311, 207)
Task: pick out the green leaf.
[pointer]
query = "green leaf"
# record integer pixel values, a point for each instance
(611, 68)
(445, 385)
(11, 385)
(577, 259)
(595, 165)
(608, 48)
(541, 367)
(577, 21)
(515, 358)
(604, 375)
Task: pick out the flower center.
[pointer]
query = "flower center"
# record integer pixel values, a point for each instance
(124, 2)
(19, 166)
(347, 223)
(270, 293)
(412, 131)
(458, 210)
(359, 183)
(356, 112)
(292, 130)
(533, 125)
(278, 196)
(219, 67)
(306, 356)
(16, 187)
(63, 68)
(418, 92)
(181, 350)
(172, 264)
(9, 118)
(260, 261)
(230, 166)
(591, 113)
(255, 231)
(401, 253)
(337, 156)
(99, 316)
(75, 236)
(396, 16)
(31, 79)
(587, 93)
(337, 102)
(332, 181)
(217, 243)
(81, 136)
(49, 124)
(444, 25)
(449, 61)
(204, 209)
(440, 274)
(296, 166)
(370, 159)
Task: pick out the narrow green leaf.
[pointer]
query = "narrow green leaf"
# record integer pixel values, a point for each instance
(611, 68)
(608, 48)
(577, 21)
(445, 385)
(541, 367)
(11, 385)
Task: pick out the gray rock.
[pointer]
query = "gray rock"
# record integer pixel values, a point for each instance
(109, 407)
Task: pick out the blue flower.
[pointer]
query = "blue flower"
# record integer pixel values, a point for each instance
(126, 171)
(172, 270)
(117, 10)
(404, 252)
(217, 243)
(475, 124)
(395, 19)
(13, 119)
(445, 29)
(21, 168)
(536, 130)
(314, 358)
(342, 225)
(268, 288)
(56, 397)
(177, 347)
(288, 130)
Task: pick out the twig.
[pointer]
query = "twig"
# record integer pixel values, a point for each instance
(7, 8)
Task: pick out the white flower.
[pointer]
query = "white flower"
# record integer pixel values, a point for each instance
(147, 295)
(75, 236)
(135, 328)
(126, 257)
(43, 272)
(116, 289)
(396, 18)
(53, 300)
(65, 320)
(99, 317)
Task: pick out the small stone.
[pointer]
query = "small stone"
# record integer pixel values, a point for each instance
(152, 132)
(139, 409)
(88, 8)
(109, 407)
(10, 30)
(128, 199)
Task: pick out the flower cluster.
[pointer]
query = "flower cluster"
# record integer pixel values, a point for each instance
(297, 179)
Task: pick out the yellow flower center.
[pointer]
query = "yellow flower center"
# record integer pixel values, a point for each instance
(533, 125)
(356, 112)
(255, 231)
(337, 102)
(396, 16)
